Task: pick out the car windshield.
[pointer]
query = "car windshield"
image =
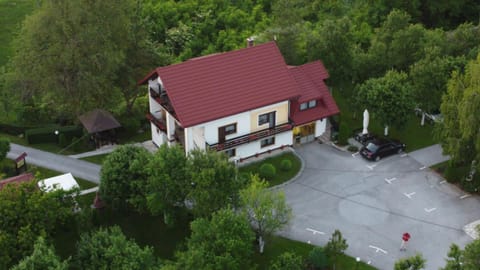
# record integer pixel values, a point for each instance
(372, 147)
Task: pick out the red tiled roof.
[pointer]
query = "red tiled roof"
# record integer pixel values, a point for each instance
(26, 177)
(310, 80)
(208, 88)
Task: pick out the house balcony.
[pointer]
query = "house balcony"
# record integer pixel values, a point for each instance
(159, 123)
(164, 101)
(230, 143)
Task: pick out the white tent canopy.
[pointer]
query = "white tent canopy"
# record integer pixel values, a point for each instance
(64, 182)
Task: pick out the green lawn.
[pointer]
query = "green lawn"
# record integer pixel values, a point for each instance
(277, 245)
(413, 134)
(98, 159)
(281, 176)
(12, 13)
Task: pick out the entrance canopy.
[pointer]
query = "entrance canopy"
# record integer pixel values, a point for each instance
(63, 182)
(98, 120)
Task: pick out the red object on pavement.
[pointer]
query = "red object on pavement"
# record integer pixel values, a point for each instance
(406, 237)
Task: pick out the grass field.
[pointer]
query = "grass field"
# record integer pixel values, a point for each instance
(12, 13)
(412, 134)
(98, 159)
(281, 176)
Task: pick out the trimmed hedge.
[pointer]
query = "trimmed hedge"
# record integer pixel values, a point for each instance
(47, 134)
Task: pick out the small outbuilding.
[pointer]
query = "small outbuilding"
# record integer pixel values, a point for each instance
(101, 125)
(63, 182)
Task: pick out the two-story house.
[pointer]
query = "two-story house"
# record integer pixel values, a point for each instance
(243, 102)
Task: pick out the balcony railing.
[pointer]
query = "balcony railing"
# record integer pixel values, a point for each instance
(249, 137)
(157, 122)
(163, 101)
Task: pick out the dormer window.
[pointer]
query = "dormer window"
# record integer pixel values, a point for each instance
(308, 105)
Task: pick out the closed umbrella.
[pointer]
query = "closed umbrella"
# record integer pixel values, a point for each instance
(365, 122)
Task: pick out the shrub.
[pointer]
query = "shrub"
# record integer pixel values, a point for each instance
(62, 140)
(286, 165)
(47, 134)
(352, 148)
(317, 258)
(343, 134)
(267, 171)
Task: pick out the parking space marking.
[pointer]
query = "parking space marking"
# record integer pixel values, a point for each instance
(403, 155)
(308, 242)
(430, 210)
(409, 195)
(372, 166)
(354, 154)
(314, 231)
(464, 196)
(423, 168)
(390, 180)
(377, 249)
(443, 182)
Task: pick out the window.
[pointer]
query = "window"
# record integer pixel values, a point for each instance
(230, 129)
(308, 105)
(266, 118)
(230, 152)
(267, 141)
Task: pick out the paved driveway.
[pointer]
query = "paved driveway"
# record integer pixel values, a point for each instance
(374, 203)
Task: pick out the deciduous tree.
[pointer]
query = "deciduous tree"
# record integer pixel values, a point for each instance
(169, 182)
(336, 246)
(460, 130)
(388, 98)
(266, 210)
(123, 177)
(455, 258)
(214, 182)
(42, 258)
(26, 214)
(110, 249)
(222, 242)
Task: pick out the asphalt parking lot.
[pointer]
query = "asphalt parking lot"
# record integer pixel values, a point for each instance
(374, 203)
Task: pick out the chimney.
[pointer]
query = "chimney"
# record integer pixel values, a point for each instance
(250, 42)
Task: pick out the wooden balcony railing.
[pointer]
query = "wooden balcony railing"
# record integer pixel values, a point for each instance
(157, 122)
(230, 143)
(163, 101)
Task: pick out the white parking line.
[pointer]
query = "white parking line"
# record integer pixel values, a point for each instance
(403, 155)
(443, 182)
(409, 195)
(378, 249)
(429, 210)
(354, 154)
(390, 180)
(465, 196)
(314, 231)
(369, 262)
(372, 166)
(423, 168)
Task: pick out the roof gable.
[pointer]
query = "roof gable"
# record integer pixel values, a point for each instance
(215, 86)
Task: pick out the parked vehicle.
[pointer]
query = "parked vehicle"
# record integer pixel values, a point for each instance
(431, 117)
(364, 138)
(380, 148)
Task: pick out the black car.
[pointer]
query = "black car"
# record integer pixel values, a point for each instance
(379, 148)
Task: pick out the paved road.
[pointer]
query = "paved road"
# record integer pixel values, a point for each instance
(374, 203)
(61, 163)
(429, 156)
